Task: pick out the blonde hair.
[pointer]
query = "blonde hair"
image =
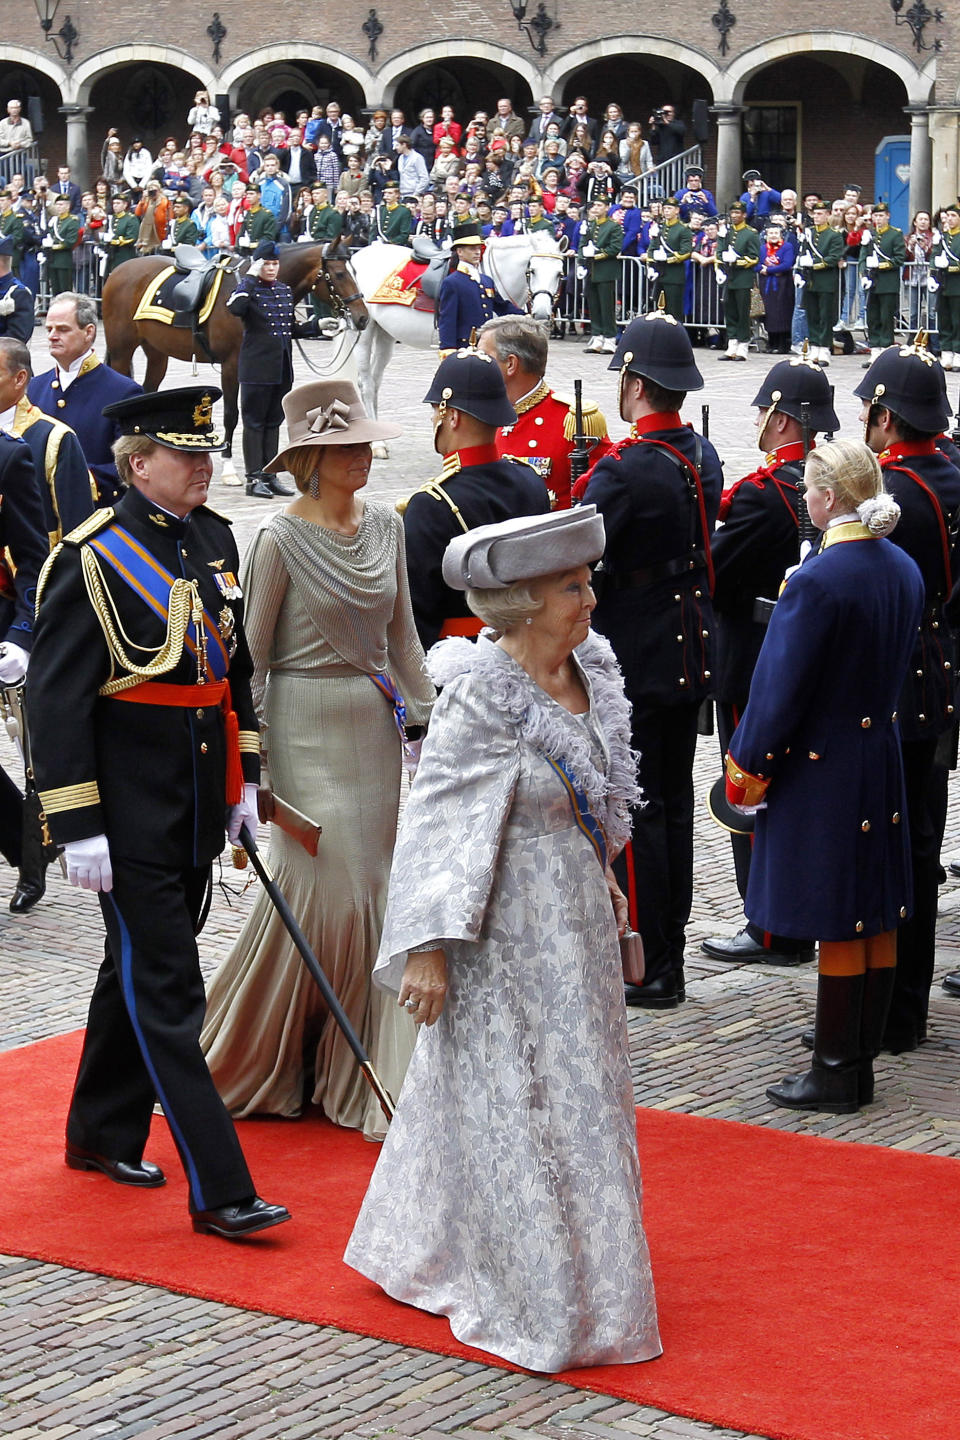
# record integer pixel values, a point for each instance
(504, 610)
(125, 446)
(301, 464)
(848, 468)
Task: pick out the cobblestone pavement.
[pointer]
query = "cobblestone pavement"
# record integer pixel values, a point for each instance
(87, 1356)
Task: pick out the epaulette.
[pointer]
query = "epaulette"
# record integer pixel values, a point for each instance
(594, 421)
(218, 514)
(431, 487)
(93, 524)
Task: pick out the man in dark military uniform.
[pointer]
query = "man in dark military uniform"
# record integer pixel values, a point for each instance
(543, 433)
(16, 301)
(123, 232)
(474, 488)
(468, 297)
(265, 306)
(392, 221)
(818, 260)
(757, 541)
(659, 493)
(601, 241)
(883, 255)
(145, 741)
(669, 250)
(945, 275)
(736, 261)
(258, 224)
(78, 387)
(905, 408)
(23, 538)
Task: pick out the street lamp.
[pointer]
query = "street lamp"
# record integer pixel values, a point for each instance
(68, 33)
(540, 25)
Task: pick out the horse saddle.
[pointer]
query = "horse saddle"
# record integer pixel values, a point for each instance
(184, 294)
(437, 261)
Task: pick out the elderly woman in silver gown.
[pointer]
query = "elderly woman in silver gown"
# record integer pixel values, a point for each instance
(334, 647)
(507, 1194)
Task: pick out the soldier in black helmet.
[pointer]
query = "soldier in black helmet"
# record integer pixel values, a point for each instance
(659, 493)
(475, 487)
(756, 542)
(905, 409)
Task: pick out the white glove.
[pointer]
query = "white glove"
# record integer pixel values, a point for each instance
(865, 282)
(932, 285)
(872, 261)
(243, 814)
(660, 254)
(589, 250)
(582, 272)
(246, 241)
(48, 242)
(721, 277)
(7, 305)
(798, 281)
(942, 261)
(166, 243)
(88, 863)
(255, 267)
(806, 261)
(730, 255)
(13, 663)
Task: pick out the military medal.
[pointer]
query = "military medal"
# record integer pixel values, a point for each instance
(228, 586)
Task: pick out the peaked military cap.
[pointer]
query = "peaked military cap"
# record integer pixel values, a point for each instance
(908, 381)
(267, 250)
(472, 382)
(178, 419)
(658, 347)
(791, 382)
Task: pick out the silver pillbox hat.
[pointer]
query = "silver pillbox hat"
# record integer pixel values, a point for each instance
(495, 556)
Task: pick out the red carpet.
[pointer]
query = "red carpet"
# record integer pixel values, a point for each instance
(808, 1289)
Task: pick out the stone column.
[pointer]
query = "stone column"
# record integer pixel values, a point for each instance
(944, 122)
(920, 157)
(76, 117)
(729, 155)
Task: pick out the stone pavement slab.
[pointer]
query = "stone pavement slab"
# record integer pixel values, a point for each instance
(86, 1356)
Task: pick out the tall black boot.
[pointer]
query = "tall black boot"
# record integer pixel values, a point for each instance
(37, 851)
(877, 993)
(271, 443)
(253, 464)
(831, 1084)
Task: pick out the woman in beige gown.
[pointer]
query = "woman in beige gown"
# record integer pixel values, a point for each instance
(327, 608)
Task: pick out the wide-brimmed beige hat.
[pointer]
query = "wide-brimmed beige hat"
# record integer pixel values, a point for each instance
(328, 412)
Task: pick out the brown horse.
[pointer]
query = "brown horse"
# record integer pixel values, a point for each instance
(320, 270)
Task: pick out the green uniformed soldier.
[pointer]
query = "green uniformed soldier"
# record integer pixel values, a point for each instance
(183, 231)
(58, 246)
(945, 275)
(326, 222)
(669, 251)
(12, 225)
(737, 257)
(536, 220)
(123, 233)
(392, 221)
(258, 223)
(821, 250)
(883, 255)
(600, 243)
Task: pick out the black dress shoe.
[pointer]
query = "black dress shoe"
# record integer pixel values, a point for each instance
(664, 993)
(124, 1172)
(954, 867)
(258, 487)
(951, 982)
(29, 891)
(233, 1222)
(742, 946)
(275, 486)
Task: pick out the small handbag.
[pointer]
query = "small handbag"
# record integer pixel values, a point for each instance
(757, 307)
(631, 958)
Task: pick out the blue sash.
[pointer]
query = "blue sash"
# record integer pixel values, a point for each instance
(582, 814)
(387, 686)
(153, 583)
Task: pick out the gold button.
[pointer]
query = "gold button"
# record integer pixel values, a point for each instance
(896, 817)
(903, 912)
(538, 420)
(865, 826)
(859, 926)
(949, 709)
(706, 674)
(865, 723)
(698, 594)
(922, 719)
(531, 444)
(203, 748)
(183, 552)
(676, 597)
(894, 715)
(681, 681)
(936, 625)
(919, 674)
(704, 633)
(680, 638)
(769, 754)
(813, 755)
(61, 404)
(200, 714)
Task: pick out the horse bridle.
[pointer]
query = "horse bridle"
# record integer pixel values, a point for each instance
(340, 304)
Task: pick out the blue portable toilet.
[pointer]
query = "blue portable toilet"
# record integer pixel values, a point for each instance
(891, 178)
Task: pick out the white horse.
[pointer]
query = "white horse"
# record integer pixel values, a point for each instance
(521, 267)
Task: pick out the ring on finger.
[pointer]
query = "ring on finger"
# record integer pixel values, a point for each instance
(411, 1004)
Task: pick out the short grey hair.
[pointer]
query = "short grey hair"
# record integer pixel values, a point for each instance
(522, 336)
(85, 308)
(504, 610)
(15, 354)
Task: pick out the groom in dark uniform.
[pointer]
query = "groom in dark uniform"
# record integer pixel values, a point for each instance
(468, 297)
(145, 745)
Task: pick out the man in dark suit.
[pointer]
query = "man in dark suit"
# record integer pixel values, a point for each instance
(63, 185)
(659, 493)
(331, 126)
(298, 163)
(392, 132)
(548, 116)
(143, 605)
(578, 116)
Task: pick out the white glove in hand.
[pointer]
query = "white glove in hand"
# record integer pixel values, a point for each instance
(48, 242)
(806, 261)
(7, 305)
(245, 241)
(729, 255)
(660, 254)
(88, 863)
(932, 285)
(243, 814)
(13, 663)
(866, 282)
(942, 261)
(589, 250)
(255, 267)
(872, 261)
